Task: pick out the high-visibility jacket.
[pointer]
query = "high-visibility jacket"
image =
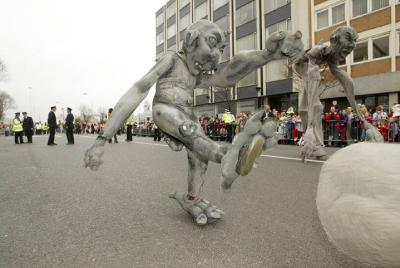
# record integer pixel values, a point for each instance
(17, 125)
(228, 118)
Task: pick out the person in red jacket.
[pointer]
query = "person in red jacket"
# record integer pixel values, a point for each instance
(332, 119)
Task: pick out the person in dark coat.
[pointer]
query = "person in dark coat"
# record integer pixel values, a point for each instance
(52, 123)
(69, 125)
(27, 125)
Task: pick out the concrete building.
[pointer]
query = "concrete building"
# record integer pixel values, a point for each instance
(375, 62)
(250, 22)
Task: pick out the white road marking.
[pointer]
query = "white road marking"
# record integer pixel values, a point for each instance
(263, 155)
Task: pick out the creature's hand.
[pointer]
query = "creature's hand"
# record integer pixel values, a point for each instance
(93, 155)
(200, 209)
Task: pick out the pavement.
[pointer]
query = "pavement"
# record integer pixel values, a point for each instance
(55, 213)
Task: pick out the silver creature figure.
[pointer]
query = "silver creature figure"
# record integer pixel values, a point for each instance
(176, 75)
(342, 42)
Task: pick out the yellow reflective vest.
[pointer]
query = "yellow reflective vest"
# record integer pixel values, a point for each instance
(228, 118)
(17, 125)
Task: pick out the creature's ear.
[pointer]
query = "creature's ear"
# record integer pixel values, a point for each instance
(226, 34)
(273, 40)
(298, 35)
(191, 37)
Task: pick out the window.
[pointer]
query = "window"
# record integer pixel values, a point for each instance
(398, 42)
(160, 38)
(219, 3)
(246, 13)
(226, 55)
(378, 4)
(171, 31)
(159, 55)
(246, 43)
(380, 47)
(270, 5)
(183, 3)
(330, 16)
(223, 23)
(159, 19)
(248, 80)
(337, 14)
(171, 10)
(184, 22)
(361, 7)
(322, 19)
(277, 70)
(373, 48)
(360, 52)
(201, 11)
(285, 25)
(172, 47)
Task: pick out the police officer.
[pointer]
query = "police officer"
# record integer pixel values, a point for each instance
(27, 125)
(129, 125)
(52, 124)
(69, 125)
(18, 130)
(229, 120)
(110, 110)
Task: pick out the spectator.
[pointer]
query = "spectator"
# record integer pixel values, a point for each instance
(379, 115)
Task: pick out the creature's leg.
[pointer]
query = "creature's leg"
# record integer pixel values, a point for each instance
(200, 209)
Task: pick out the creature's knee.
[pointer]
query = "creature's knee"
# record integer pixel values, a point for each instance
(188, 129)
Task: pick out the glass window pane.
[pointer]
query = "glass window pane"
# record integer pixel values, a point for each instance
(398, 42)
(270, 5)
(322, 19)
(172, 48)
(201, 11)
(246, 43)
(183, 3)
(171, 10)
(248, 80)
(360, 7)
(160, 19)
(225, 55)
(338, 14)
(223, 23)
(184, 22)
(280, 26)
(380, 47)
(377, 4)
(160, 38)
(171, 31)
(219, 3)
(277, 70)
(360, 53)
(246, 13)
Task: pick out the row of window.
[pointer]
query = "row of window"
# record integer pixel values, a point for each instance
(336, 13)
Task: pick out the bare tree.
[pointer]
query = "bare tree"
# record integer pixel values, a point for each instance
(87, 115)
(6, 102)
(3, 70)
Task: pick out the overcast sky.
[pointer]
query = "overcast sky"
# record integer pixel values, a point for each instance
(73, 52)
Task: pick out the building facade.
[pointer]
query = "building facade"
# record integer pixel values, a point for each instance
(249, 22)
(375, 62)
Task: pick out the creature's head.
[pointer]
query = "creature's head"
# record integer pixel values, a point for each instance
(285, 44)
(343, 41)
(203, 44)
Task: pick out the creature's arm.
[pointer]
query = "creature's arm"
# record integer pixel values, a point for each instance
(348, 86)
(128, 103)
(125, 107)
(246, 62)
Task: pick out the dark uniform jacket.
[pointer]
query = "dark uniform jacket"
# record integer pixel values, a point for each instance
(69, 121)
(27, 124)
(51, 120)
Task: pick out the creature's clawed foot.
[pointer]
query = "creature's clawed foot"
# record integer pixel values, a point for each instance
(201, 210)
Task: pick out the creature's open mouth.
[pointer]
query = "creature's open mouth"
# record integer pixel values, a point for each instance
(207, 66)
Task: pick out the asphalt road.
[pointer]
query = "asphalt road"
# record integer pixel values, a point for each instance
(55, 213)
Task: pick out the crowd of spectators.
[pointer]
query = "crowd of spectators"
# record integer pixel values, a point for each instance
(341, 127)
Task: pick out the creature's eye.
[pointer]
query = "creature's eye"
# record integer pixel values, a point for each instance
(212, 40)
